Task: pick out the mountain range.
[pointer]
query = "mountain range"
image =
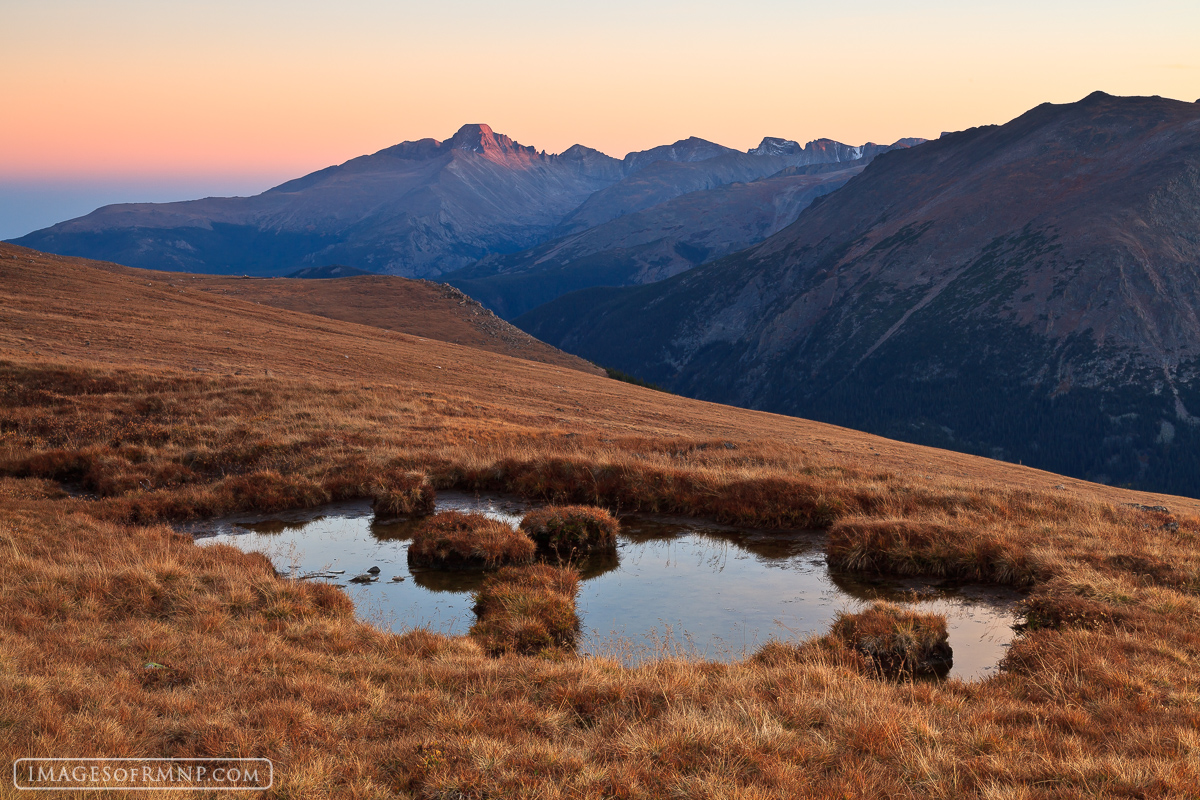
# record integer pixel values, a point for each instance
(418, 209)
(651, 244)
(1027, 291)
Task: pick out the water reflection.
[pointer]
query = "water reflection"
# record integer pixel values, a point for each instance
(445, 580)
(270, 527)
(457, 581)
(394, 530)
(673, 586)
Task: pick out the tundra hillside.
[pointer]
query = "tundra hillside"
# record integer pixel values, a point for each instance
(421, 308)
(128, 405)
(1025, 291)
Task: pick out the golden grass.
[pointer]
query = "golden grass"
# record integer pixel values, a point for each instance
(567, 531)
(899, 642)
(528, 611)
(402, 495)
(129, 397)
(417, 307)
(454, 540)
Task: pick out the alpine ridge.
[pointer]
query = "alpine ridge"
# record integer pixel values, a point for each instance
(416, 209)
(654, 243)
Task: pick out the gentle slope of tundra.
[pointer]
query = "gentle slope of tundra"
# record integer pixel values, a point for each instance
(100, 394)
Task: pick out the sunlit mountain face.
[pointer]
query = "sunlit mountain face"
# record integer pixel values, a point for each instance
(417, 209)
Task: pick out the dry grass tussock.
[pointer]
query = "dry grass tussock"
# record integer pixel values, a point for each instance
(406, 494)
(566, 531)
(107, 430)
(528, 610)
(454, 540)
(899, 642)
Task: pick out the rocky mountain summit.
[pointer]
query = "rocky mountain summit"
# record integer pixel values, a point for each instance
(1027, 291)
(667, 178)
(824, 151)
(417, 209)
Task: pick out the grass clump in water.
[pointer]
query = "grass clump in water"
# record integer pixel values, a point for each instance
(899, 642)
(528, 610)
(454, 540)
(571, 530)
(405, 494)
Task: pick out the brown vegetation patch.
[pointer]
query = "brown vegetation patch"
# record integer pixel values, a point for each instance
(403, 495)
(899, 642)
(16, 489)
(805, 501)
(527, 610)
(918, 547)
(269, 491)
(454, 540)
(571, 530)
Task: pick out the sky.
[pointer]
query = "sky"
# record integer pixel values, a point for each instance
(142, 100)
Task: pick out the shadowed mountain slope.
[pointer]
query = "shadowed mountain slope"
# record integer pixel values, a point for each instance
(328, 271)
(1027, 291)
(652, 244)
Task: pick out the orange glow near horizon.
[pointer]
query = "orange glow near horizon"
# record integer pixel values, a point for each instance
(272, 88)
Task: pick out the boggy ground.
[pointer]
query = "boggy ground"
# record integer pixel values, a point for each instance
(100, 395)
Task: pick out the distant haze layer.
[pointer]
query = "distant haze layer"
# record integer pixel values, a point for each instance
(28, 204)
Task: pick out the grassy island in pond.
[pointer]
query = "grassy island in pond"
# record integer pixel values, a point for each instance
(528, 610)
(454, 540)
(567, 531)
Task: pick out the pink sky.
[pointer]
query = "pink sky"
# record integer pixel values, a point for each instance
(270, 89)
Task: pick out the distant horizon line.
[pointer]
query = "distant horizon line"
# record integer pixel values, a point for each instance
(136, 175)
